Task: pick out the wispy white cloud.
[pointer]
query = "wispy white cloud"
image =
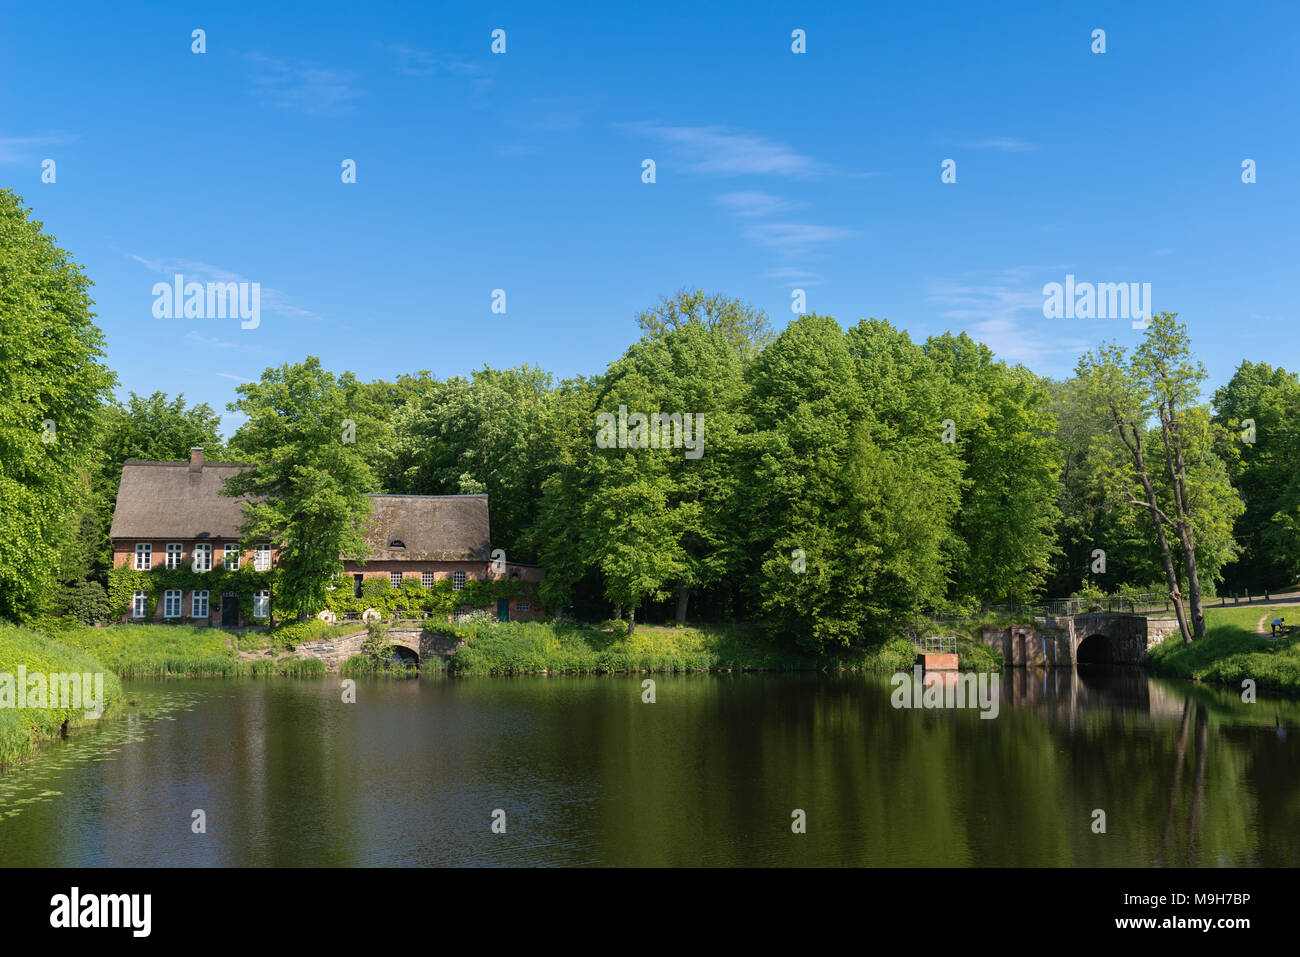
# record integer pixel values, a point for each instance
(209, 342)
(795, 238)
(272, 300)
(1004, 310)
(1004, 144)
(237, 378)
(302, 87)
(755, 202)
(720, 151)
(795, 277)
(420, 62)
(28, 149)
(509, 150)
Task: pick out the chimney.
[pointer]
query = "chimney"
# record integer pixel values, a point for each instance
(196, 459)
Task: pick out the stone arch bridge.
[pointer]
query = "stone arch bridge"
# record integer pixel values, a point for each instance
(1091, 638)
(411, 643)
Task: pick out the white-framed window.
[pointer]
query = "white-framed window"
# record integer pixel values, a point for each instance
(199, 604)
(395, 578)
(172, 603)
(262, 558)
(202, 558)
(137, 604)
(262, 604)
(230, 555)
(426, 579)
(175, 552)
(523, 606)
(457, 581)
(143, 556)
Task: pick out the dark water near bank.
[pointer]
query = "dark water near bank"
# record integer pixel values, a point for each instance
(708, 775)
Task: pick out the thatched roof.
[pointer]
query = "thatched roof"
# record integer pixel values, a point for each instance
(183, 500)
(446, 528)
(172, 500)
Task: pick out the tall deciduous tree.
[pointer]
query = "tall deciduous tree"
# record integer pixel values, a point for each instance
(1004, 432)
(693, 374)
(1260, 409)
(845, 527)
(486, 434)
(745, 327)
(1162, 449)
(52, 384)
(309, 436)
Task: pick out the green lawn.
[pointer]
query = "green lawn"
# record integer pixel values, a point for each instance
(147, 651)
(1232, 651)
(22, 729)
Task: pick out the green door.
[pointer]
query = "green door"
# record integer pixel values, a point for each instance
(503, 609)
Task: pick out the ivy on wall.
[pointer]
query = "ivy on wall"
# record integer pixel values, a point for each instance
(411, 598)
(123, 582)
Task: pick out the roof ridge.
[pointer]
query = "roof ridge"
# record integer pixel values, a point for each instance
(413, 495)
(185, 464)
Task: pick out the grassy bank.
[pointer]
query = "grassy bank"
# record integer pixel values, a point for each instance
(158, 651)
(1233, 651)
(23, 729)
(359, 666)
(535, 647)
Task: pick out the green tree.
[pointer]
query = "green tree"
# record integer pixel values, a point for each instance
(486, 434)
(844, 528)
(1168, 468)
(744, 326)
(1259, 408)
(151, 429)
(1004, 432)
(309, 437)
(52, 384)
(695, 373)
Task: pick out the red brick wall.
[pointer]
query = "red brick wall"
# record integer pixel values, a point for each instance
(124, 554)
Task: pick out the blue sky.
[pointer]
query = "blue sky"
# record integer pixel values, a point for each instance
(774, 170)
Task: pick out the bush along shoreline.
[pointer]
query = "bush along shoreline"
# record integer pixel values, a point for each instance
(47, 690)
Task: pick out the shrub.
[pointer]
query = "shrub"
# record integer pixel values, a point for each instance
(84, 601)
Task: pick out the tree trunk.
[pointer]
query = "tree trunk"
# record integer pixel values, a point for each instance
(1177, 465)
(618, 612)
(683, 596)
(1166, 559)
(631, 619)
(1193, 582)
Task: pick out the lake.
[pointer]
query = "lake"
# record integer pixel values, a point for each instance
(710, 774)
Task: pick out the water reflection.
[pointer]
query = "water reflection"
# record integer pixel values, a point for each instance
(708, 775)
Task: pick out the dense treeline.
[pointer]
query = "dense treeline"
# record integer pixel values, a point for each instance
(824, 481)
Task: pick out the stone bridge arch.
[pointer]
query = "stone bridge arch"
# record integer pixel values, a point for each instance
(1112, 639)
(1065, 640)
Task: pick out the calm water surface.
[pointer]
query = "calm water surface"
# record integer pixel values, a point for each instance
(708, 775)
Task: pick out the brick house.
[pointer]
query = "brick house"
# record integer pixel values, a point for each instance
(172, 514)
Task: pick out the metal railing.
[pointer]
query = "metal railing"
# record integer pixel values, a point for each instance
(938, 645)
(1141, 603)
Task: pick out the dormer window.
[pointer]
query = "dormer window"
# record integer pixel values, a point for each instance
(397, 543)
